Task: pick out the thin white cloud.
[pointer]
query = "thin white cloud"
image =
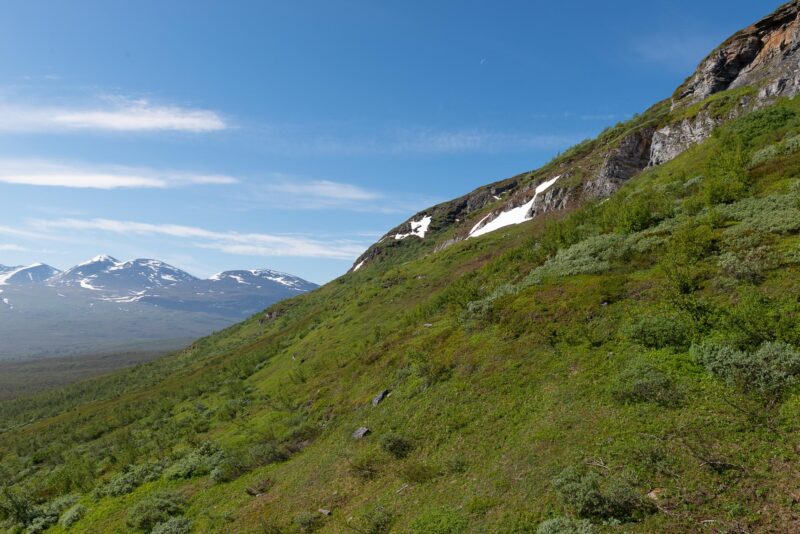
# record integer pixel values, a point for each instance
(322, 189)
(248, 244)
(115, 114)
(45, 173)
(8, 247)
(16, 232)
(414, 141)
(284, 191)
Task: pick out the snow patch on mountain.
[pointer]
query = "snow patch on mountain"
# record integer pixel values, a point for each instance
(418, 228)
(517, 215)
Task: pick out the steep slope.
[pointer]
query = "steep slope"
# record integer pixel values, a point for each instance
(747, 72)
(628, 365)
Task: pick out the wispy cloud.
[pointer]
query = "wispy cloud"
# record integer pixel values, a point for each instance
(406, 141)
(112, 114)
(247, 244)
(321, 189)
(8, 247)
(45, 173)
(439, 142)
(284, 191)
(16, 232)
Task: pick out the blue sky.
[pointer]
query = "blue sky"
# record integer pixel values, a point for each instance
(290, 135)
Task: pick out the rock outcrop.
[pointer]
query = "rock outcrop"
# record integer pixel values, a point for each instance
(620, 164)
(672, 140)
(763, 55)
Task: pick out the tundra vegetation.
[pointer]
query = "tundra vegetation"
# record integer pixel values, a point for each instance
(629, 366)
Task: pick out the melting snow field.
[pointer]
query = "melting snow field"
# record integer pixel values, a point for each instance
(360, 265)
(418, 228)
(513, 216)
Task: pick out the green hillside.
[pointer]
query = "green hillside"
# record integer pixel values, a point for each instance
(624, 365)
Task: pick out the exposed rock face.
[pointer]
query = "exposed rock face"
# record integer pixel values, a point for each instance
(764, 54)
(555, 198)
(672, 140)
(621, 164)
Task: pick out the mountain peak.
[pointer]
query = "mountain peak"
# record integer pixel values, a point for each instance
(26, 275)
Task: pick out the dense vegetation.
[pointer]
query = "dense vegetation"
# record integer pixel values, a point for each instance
(631, 366)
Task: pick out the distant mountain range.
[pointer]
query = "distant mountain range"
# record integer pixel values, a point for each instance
(105, 303)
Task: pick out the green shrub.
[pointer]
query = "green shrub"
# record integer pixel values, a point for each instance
(154, 509)
(173, 525)
(439, 521)
(692, 242)
(725, 170)
(226, 470)
(591, 256)
(599, 497)
(73, 515)
(21, 512)
(197, 462)
(768, 372)
(661, 331)
(131, 478)
(787, 146)
(376, 520)
(15, 506)
(268, 453)
(778, 214)
(566, 525)
(642, 382)
(397, 446)
(748, 266)
(639, 212)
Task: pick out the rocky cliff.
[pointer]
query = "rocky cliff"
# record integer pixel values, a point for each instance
(749, 70)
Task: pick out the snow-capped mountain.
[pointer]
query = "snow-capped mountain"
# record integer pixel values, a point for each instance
(106, 302)
(26, 275)
(257, 278)
(104, 273)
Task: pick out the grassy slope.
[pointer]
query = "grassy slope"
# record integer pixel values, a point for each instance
(497, 391)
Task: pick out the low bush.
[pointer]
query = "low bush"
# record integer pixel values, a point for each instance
(439, 521)
(376, 520)
(639, 212)
(748, 266)
(591, 256)
(566, 525)
(778, 214)
(725, 170)
(73, 515)
(131, 478)
(197, 462)
(769, 372)
(642, 382)
(154, 509)
(593, 496)
(396, 445)
(661, 331)
(173, 525)
(787, 146)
